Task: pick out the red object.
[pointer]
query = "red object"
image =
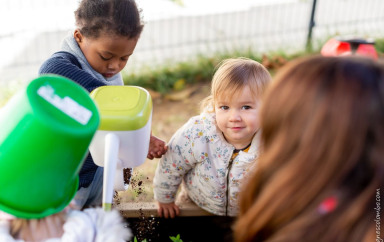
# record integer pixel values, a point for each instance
(328, 205)
(336, 47)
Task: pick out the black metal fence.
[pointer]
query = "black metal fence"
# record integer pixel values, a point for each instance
(261, 25)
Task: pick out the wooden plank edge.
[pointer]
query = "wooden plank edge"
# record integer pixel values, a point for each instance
(149, 209)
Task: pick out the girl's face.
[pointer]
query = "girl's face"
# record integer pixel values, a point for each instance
(238, 117)
(106, 54)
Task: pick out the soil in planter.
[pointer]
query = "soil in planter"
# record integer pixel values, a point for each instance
(144, 227)
(199, 229)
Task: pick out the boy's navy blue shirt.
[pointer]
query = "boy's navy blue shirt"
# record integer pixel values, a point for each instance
(65, 64)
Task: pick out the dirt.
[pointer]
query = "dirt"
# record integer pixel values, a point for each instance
(201, 229)
(145, 228)
(172, 111)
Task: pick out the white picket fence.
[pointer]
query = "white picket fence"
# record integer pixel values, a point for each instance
(32, 30)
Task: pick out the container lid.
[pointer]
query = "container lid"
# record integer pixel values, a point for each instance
(122, 108)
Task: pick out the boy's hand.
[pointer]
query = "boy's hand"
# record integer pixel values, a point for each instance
(168, 210)
(157, 148)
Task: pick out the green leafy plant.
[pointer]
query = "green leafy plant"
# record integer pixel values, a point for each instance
(173, 238)
(379, 45)
(176, 239)
(135, 240)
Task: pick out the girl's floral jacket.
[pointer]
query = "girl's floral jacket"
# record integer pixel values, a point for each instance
(199, 155)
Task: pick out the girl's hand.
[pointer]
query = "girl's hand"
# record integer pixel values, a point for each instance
(168, 210)
(157, 148)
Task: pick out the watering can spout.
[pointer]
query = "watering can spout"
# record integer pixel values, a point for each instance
(112, 144)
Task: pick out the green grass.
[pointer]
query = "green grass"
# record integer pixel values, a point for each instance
(171, 77)
(379, 45)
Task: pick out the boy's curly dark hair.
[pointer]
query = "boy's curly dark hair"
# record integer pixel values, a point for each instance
(116, 17)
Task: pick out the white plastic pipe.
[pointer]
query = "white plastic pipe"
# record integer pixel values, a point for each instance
(112, 143)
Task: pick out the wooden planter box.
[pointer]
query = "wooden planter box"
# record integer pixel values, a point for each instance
(193, 223)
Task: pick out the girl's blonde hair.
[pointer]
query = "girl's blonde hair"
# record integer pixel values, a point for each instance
(323, 140)
(232, 75)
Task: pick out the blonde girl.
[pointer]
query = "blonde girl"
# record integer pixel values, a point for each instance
(213, 151)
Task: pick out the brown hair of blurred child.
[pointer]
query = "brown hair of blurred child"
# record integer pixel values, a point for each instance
(322, 167)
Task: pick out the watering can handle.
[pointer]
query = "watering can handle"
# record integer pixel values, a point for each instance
(112, 143)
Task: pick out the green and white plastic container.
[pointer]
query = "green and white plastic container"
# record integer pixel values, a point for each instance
(46, 129)
(122, 140)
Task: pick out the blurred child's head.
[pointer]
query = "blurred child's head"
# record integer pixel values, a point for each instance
(38, 229)
(237, 87)
(107, 33)
(323, 140)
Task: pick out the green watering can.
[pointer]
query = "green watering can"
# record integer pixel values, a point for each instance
(46, 129)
